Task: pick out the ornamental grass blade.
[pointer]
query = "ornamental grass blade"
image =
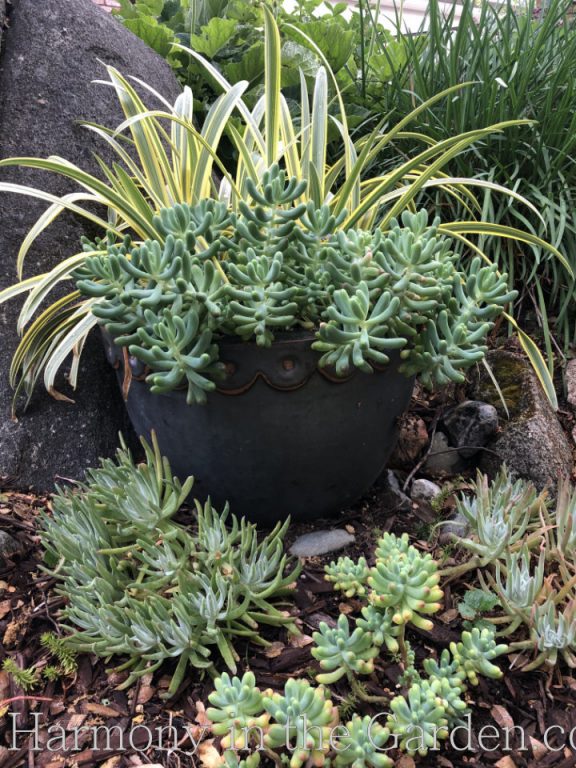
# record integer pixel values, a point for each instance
(537, 362)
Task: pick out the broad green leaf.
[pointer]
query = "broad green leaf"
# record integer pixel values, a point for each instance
(214, 36)
(335, 42)
(157, 36)
(250, 67)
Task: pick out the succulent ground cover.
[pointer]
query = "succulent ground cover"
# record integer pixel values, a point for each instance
(87, 695)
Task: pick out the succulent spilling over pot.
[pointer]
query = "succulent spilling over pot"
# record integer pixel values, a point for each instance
(280, 264)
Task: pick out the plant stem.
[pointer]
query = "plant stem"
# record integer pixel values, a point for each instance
(403, 647)
(359, 691)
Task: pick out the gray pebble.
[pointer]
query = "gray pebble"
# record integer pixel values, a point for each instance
(321, 542)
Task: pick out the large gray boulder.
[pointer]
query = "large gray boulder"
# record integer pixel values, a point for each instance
(51, 52)
(531, 440)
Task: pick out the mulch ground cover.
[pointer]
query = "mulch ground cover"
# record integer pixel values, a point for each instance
(541, 704)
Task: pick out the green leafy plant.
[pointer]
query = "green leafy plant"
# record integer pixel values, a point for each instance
(348, 576)
(64, 656)
(499, 515)
(418, 719)
(302, 717)
(380, 625)
(237, 707)
(407, 583)
(303, 720)
(473, 655)
(475, 603)
(341, 652)
(530, 573)
(521, 63)
(361, 748)
(447, 331)
(139, 584)
(281, 263)
(403, 584)
(26, 678)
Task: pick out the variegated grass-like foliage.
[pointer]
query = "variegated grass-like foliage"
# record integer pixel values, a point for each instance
(163, 160)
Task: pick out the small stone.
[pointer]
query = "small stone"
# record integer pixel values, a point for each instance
(470, 426)
(424, 490)
(8, 547)
(321, 542)
(457, 526)
(570, 376)
(442, 459)
(412, 440)
(393, 497)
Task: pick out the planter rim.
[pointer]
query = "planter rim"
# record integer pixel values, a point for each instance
(286, 365)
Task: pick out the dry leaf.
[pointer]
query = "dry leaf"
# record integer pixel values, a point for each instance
(538, 748)
(300, 641)
(13, 633)
(209, 755)
(448, 616)
(101, 709)
(502, 716)
(146, 691)
(505, 762)
(114, 762)
(75, 721)
(345, 608)
(201, 718)
(274, 650)
(4, 685)
(405, 762)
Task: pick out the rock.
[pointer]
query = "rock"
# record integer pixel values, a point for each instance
(392, 495)
(321, 542)
(50, 56)
(470, 425)
(531, 441)
(424, 490)
(9, 547)
(412, 440)
(570, 377)
(443, 459)
(457, 526)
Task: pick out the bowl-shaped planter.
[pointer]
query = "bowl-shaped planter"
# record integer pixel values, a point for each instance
(279, 436)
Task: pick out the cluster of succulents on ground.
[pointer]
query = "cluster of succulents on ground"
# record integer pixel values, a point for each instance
(142, 585)
(402, 590)
(522, 545)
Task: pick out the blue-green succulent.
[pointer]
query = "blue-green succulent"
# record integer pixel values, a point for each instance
(278, 263)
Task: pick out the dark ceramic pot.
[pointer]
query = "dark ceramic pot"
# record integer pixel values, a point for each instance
(279, 436)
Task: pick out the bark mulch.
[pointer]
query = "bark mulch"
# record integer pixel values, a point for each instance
(537, 703)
